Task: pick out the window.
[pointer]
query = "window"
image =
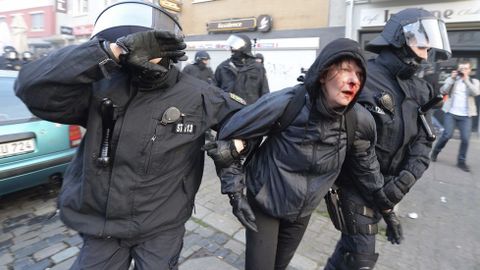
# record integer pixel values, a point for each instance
(80, 7)
(38, 21)
(12, 108)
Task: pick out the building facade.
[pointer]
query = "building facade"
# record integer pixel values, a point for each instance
(42, 25)
(289, 34)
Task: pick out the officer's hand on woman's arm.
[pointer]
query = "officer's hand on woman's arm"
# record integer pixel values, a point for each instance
(224, 153)
(394, 228)
(143, 50)
(226, 156)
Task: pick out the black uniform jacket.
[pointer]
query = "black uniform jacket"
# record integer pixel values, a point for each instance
(157, 166)
(249, 82)
(203, 73)
(293, 169)
(401, 141)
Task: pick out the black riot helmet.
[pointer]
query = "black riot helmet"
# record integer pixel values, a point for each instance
(127, 17)
(240, 43)
(413, 27)
(201, 55)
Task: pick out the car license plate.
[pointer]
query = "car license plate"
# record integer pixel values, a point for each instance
(17, 147)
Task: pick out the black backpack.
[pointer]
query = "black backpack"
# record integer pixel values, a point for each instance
(296, 104)
(293, 109)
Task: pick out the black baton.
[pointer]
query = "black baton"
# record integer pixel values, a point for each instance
(106, 111)
(422, 110)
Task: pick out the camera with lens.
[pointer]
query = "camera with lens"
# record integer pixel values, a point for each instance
(460, 73)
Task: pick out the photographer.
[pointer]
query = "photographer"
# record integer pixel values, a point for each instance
(459, 109)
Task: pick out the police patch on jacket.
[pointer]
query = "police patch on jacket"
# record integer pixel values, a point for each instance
(374, 109)
(184, 128)
(238, 99)
(386, 101)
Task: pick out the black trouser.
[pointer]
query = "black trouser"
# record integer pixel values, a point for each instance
(159, 252)
(275, 243)
(360, 243)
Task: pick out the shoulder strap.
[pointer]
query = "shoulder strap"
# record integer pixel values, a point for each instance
(351, 126)
(293, 108)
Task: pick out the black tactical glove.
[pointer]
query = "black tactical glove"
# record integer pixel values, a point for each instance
(141, 47)
(394, 228)
(399, 186)
(223, 153)
(242, 210)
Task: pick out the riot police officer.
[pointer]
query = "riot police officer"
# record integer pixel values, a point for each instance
(241, 74)
(200, 68)
(392, 94)
(131, 186)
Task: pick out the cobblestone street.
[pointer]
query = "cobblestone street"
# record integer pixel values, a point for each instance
(443, 237)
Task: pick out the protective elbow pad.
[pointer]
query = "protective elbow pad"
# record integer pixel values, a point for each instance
(405, 181)
(399, 186)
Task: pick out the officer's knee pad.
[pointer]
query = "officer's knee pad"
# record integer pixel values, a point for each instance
(357, 261)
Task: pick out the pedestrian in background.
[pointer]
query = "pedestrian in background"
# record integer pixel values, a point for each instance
(459, 109)
(200, 69)
(131, 186)
(241, 74)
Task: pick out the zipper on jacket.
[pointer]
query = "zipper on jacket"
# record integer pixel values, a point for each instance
(312, 165)
(148, 148)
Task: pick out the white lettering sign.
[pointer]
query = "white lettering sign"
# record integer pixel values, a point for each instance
(461, 11)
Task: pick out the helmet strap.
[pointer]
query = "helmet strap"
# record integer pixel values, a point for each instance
(410, 59)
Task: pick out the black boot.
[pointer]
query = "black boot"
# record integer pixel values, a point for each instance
(433, 155)
(463, 166)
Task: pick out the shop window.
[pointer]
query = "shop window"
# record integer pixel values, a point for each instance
(80, 7)
(38, 21)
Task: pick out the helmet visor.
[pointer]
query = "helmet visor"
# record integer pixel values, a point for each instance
(136, 15)
(236, 43)
(428, 33)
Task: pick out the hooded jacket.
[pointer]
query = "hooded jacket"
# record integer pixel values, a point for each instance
(293, 169)
(157, 165)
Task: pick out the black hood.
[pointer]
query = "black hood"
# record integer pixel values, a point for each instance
(332, 52)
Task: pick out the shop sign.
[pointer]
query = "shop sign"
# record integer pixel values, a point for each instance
(83, 30)
(277, 43)
(65, 30)
(264, 23)
(232, 25)
(461, 11)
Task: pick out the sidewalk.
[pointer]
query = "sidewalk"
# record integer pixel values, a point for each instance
(443, 237)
